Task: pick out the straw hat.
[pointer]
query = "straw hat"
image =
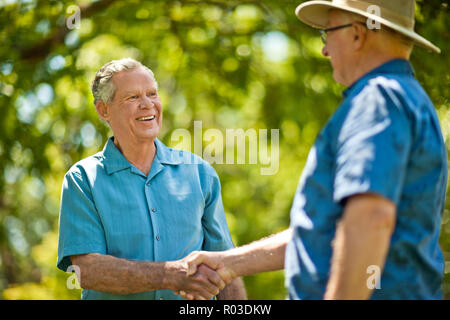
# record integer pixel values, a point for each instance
(397, 15)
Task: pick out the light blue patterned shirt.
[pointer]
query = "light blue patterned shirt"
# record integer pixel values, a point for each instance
(110, 207)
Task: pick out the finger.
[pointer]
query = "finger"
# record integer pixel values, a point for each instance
(205, 274)
(185, 295)
(225, 275)
(194, 260)
(197, 293)
(203, 295)
(213, 277)
(208, 289)
(192, 268)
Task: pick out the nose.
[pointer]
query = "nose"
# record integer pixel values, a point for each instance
(146, 102)
(325, 51)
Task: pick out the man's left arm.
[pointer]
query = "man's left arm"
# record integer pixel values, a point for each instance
(362, 240)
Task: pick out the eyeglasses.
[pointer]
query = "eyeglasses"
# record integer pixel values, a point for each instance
(324, 32)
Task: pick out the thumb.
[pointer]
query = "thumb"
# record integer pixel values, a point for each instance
(192, 269)
(202, 258)
(192, 264)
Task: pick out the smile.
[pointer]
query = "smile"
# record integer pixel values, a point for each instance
(146, 118)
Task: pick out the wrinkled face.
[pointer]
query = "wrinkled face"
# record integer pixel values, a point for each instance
(135, 114)
(338, 47)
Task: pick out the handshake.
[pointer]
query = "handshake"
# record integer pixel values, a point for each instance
(206, 275)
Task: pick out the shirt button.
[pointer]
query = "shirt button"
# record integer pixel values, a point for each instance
(148, 183)
(158, 238)
(153, 210)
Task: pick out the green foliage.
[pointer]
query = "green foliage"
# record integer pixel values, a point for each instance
(231, 64)
(53, 283)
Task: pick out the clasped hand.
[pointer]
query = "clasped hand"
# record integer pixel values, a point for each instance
(206, 275)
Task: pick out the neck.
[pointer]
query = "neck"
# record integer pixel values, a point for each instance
(140, 155)
(370, 61)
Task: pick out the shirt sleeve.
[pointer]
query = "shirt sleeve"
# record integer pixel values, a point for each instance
(217, 235)
(373, 145)
(80, 227)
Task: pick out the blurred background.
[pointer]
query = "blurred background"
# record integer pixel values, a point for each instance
(230, 64)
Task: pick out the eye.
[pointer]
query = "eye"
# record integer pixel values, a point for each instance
(132, 97)
(151, 94)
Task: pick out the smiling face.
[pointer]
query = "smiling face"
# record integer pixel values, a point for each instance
(135, 113)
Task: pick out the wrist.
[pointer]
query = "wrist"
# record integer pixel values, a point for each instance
(173, 271)
(231, 263)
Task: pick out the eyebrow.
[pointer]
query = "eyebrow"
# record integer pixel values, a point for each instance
(133, 92)
(127, 93)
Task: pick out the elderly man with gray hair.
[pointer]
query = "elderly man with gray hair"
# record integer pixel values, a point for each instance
(130, 213)
(366, 217)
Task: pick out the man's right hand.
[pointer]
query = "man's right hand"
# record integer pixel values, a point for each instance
(204, 284)
(196, 263)
(214, 260)
(263, 255)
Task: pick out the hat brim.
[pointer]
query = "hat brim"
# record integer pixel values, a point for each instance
(315, 14)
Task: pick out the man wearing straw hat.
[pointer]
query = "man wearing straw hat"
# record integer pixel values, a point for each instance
(366, 216)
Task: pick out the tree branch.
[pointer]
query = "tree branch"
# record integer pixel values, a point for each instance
(41, 49)
(231, 5)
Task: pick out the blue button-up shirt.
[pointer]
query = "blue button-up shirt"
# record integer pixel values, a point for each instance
(385, 138)
(108, 206)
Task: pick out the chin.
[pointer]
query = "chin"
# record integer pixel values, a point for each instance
(151, 135)
(144, 140)
(339, 79)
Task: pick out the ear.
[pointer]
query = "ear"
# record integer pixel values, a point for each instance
(102, 110)
(359, 36)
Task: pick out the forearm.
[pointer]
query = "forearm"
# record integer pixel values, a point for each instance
(263, 255)
(260, 256)
(235, 290)
(120, 276)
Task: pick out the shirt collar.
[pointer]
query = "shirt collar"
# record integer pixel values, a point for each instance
(396, 66)
(165, 154)
(116, 161)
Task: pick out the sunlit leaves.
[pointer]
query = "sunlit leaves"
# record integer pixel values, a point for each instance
(229, 64)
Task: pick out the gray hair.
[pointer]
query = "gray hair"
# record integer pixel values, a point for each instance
(103, 88)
